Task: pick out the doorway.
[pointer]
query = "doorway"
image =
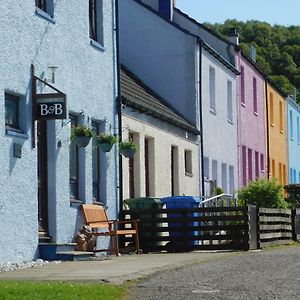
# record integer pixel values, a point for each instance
(42, 179)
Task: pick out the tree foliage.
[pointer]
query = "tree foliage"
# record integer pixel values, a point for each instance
(277, 48)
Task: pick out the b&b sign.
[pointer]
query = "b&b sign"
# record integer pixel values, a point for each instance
(50, 106)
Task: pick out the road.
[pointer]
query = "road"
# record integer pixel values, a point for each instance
(268, 274)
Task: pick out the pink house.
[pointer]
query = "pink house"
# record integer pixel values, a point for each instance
(251, 120)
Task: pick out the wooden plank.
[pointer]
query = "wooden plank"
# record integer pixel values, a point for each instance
(274, 219)
(273, 235)
(275, 227)
(263, 210)
(275, 243)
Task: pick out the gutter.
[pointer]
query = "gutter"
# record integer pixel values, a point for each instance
(267, 126)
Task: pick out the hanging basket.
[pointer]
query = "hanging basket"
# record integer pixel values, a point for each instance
(82, 141)
(105, 147)
(128, 152)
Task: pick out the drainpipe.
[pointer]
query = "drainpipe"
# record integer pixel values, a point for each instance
(119, 104)
(267, 125)
(201, 119)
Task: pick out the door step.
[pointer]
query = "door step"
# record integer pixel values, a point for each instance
(56, 251)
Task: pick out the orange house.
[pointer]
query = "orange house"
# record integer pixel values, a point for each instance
(277, 146)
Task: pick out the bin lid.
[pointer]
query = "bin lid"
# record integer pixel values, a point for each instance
(143, 202)
(181, 200)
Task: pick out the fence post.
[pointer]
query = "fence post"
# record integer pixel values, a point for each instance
(253, 227)
(294, 234)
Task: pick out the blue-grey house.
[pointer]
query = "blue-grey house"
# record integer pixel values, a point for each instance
(293, 127)
(58, 69)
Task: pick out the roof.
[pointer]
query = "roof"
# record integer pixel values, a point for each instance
(139, 96)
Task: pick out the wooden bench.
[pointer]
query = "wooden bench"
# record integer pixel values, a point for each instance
(95, 216)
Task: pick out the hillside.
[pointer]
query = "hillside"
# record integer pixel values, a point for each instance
(277, 48)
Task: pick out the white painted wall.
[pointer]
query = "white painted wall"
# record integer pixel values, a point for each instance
(87, 75)
(163, 141)
(219, 135)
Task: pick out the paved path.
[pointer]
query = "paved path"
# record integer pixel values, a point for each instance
(115, 270)
(269, 274)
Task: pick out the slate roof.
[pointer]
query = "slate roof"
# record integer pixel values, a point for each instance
(136, 94)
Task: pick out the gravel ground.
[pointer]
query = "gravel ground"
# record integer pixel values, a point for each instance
(268, 274)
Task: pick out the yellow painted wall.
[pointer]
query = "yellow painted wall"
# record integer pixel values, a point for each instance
(277, 135)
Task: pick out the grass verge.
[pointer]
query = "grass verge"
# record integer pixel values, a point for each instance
(28, 290)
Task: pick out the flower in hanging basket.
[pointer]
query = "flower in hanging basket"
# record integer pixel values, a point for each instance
(106, 141)
(81, 134)
(127, 148)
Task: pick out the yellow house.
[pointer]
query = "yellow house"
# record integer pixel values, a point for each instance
(277, 133)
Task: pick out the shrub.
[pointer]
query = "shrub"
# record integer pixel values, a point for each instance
(264, 193)
(293, 194)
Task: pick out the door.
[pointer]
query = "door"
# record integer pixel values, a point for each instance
(42, 178)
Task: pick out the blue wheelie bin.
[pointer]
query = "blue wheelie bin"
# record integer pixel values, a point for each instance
(182, 202)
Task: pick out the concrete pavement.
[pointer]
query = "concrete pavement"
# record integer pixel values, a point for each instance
(115, 270)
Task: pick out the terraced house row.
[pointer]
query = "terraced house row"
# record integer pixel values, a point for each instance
(200, 110)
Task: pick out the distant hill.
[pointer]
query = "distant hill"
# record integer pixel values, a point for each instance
(277, 48)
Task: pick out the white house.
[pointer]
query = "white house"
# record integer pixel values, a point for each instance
(70, 45)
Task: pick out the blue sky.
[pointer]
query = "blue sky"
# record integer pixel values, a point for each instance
(282, 12)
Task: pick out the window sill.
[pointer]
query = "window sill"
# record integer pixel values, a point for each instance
(281, 131)
(212, 111)
(75, 202)
(16, 133)
(39, 12)
(255, 113)
(272, 125)
(243, 104)
(188, 174)
(97, 45)
(230, 121)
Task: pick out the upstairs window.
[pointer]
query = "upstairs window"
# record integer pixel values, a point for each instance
(229, 101)
(291, 126)
(12, 112)
(96, 20)
(281, 116)
(254, 95)
(188, 162)
(46, 6)
(271, 109)
(212, 89)
(298, 131)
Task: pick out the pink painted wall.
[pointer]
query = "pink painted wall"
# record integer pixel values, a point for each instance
(251, 122)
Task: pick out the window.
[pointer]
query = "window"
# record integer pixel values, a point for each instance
(273, 172)
(212, 89)
(96, 163)
(262, 163)
(74, 163)
(244, 161)
(256, 164)
(284, 174)
(224, 178)
(291, 175)
(298, 131)
(12, 112)
(271, 110)
(243, 101)
(281, 116)
(231, 180)
(280, 172)
(291, 126)
(250, 174)
(188, 162)
(229, 101)
(46, 5)
(254, 96)
(96, 20)
(206, 167)
(214, 170)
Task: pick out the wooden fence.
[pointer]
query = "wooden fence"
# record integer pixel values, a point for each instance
(276, 226)
(185, 229)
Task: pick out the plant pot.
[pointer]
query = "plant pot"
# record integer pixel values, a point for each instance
(82, 141)
(128, 152)
(105, 147)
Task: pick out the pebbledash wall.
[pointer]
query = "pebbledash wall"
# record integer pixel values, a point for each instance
(86, 73)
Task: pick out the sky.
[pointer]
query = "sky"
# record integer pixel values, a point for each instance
(281, 12)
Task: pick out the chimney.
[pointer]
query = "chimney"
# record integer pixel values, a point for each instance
(166, 8)
(233, 36)
(253, 53)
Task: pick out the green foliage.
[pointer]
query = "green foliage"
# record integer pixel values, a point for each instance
(293, 194)
(27, 290)
(107, 138)
(129, 144)
(264, 193)
(219, 190)
(81, 130)
(278, 48)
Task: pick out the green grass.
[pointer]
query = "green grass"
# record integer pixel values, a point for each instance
(28, 290)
